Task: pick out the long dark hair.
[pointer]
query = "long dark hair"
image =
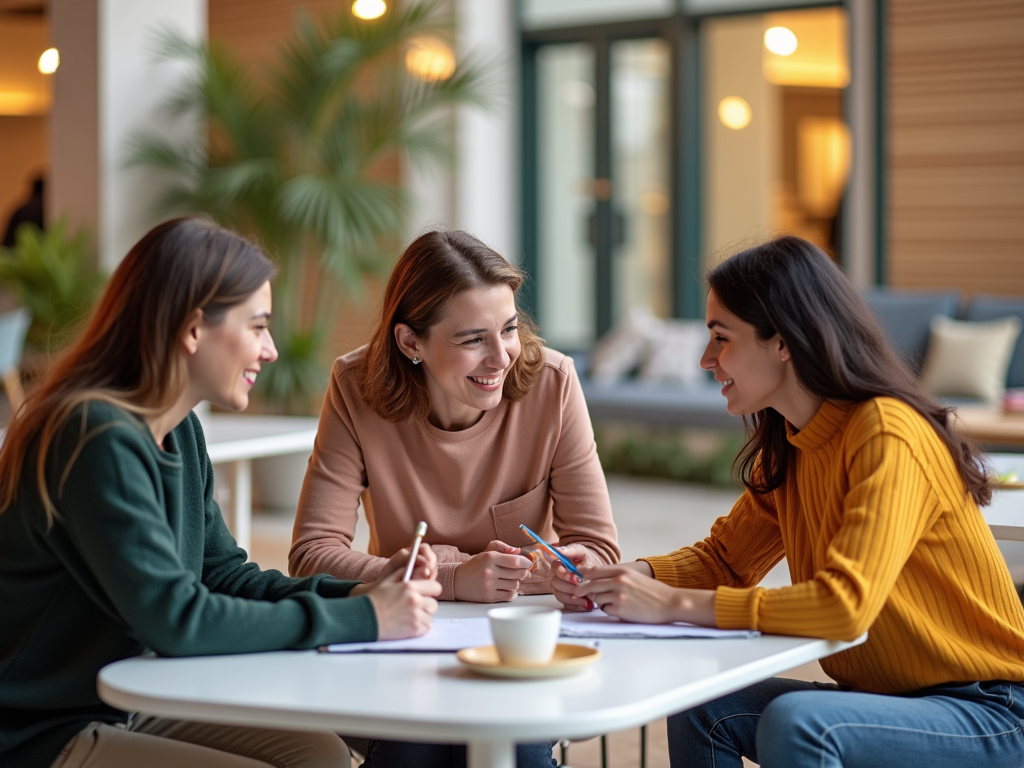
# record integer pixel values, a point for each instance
(792, 288)
(130, 354)
(436, 267)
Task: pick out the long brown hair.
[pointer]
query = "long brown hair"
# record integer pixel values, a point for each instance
(792, 288)
(129, 354)
(429, 274)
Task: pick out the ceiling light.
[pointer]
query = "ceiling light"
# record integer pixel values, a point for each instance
(430, 59)
(369, 9)
(780, 41)
(734, 112)
(49, 61)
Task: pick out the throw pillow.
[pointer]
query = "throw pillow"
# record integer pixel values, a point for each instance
(673, 354)
(968, 359)
(623, 348)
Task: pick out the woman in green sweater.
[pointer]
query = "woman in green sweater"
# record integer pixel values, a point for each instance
(111, 542)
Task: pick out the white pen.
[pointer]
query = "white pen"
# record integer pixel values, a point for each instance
(421, 531)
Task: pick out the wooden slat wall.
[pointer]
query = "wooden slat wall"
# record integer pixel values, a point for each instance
(254, 30)
(955, 79)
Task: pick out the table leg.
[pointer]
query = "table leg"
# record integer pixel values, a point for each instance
(241, 502)
(491, 754)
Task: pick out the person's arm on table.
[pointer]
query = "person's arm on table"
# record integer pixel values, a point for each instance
(122, 550)
(325, 522)
(886, 510)
(581, 508)
(740, 549)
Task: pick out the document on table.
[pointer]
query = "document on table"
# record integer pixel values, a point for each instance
(449, 635)
(446, 635)
(597, 623)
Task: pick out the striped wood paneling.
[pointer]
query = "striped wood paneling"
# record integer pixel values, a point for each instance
(955, 80)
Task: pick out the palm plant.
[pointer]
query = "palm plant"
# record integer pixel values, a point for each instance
(51, 273)
(294, 157)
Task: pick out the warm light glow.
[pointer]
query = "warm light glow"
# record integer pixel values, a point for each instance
(734, 112)
(430, 59)
(780, 41)
(369, 9)
(49, 61)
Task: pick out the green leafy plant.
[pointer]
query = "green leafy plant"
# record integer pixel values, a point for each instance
(296, 157)
(52, 273)
(667, 453)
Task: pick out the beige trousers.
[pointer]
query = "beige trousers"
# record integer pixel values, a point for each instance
(155, 742)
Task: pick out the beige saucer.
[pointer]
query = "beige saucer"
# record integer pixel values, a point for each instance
(568, 660)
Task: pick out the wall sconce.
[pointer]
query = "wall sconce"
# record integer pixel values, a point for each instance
(369, 9)
(734, 112)
(49, 61)
(780, 41)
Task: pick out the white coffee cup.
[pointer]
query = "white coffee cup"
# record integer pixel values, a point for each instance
(524, 634)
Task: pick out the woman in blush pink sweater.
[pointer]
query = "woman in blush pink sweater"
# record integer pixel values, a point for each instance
(454, 414)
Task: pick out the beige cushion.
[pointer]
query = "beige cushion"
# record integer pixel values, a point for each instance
(969, 359)
(674, 353)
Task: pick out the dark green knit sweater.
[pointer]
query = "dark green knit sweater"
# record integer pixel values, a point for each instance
(139, 558)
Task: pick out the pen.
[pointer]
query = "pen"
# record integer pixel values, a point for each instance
(565, 561)
(421, 531)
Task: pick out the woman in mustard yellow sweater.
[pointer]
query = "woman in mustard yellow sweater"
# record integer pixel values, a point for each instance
(857, 477)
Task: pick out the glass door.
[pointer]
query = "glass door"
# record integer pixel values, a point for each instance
(602, 186)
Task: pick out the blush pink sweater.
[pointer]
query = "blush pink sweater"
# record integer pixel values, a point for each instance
(531, 461)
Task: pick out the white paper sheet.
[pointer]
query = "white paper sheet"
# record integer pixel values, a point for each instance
(449, 635)
(445, 635)
(597, 623)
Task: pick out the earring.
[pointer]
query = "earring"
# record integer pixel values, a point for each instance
(416, 360)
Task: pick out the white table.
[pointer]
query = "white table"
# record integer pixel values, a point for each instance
(1005, 515)
(236, 439)
(431, 697)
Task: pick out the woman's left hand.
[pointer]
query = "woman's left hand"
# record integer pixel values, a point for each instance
(563, 581)
(628, 592)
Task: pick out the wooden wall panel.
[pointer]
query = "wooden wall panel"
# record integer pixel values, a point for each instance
(955, 108)
(255, 30)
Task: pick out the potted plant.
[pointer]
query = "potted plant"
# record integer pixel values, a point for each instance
(53, 275)
(294, 157)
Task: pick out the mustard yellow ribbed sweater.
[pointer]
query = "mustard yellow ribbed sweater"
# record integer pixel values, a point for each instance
(880, 536)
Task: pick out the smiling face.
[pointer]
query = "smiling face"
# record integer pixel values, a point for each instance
(755, 374)
(466, 355)
(228, 354)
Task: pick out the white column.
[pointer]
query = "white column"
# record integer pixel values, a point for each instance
(859, 253)
(132, 85)
(487, 176)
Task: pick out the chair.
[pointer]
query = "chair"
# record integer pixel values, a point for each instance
(13, 328)
(563, 747)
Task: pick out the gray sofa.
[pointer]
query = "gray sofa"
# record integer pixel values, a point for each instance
(905, 315)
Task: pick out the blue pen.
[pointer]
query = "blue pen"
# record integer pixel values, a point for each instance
(565, 561)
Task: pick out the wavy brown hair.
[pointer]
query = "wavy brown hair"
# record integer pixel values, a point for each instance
(436, 267)
(794, 289)
(129, 354)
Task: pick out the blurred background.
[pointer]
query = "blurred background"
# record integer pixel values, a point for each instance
(615, 149)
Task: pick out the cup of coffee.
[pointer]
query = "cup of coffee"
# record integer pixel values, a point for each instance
(525, 635)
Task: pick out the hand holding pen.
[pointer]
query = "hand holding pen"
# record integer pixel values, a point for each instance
(565, 574)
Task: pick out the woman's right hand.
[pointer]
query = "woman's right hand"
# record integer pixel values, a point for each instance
(493, 576)
(404, 608)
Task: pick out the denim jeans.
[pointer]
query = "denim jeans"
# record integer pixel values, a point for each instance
(405, 754)
(798, 724)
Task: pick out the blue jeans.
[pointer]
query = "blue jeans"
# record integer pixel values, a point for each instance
(402, 754)
(798, 724)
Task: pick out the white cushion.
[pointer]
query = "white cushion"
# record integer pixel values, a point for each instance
(624, 347)
(674, 353)
(969, 359)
